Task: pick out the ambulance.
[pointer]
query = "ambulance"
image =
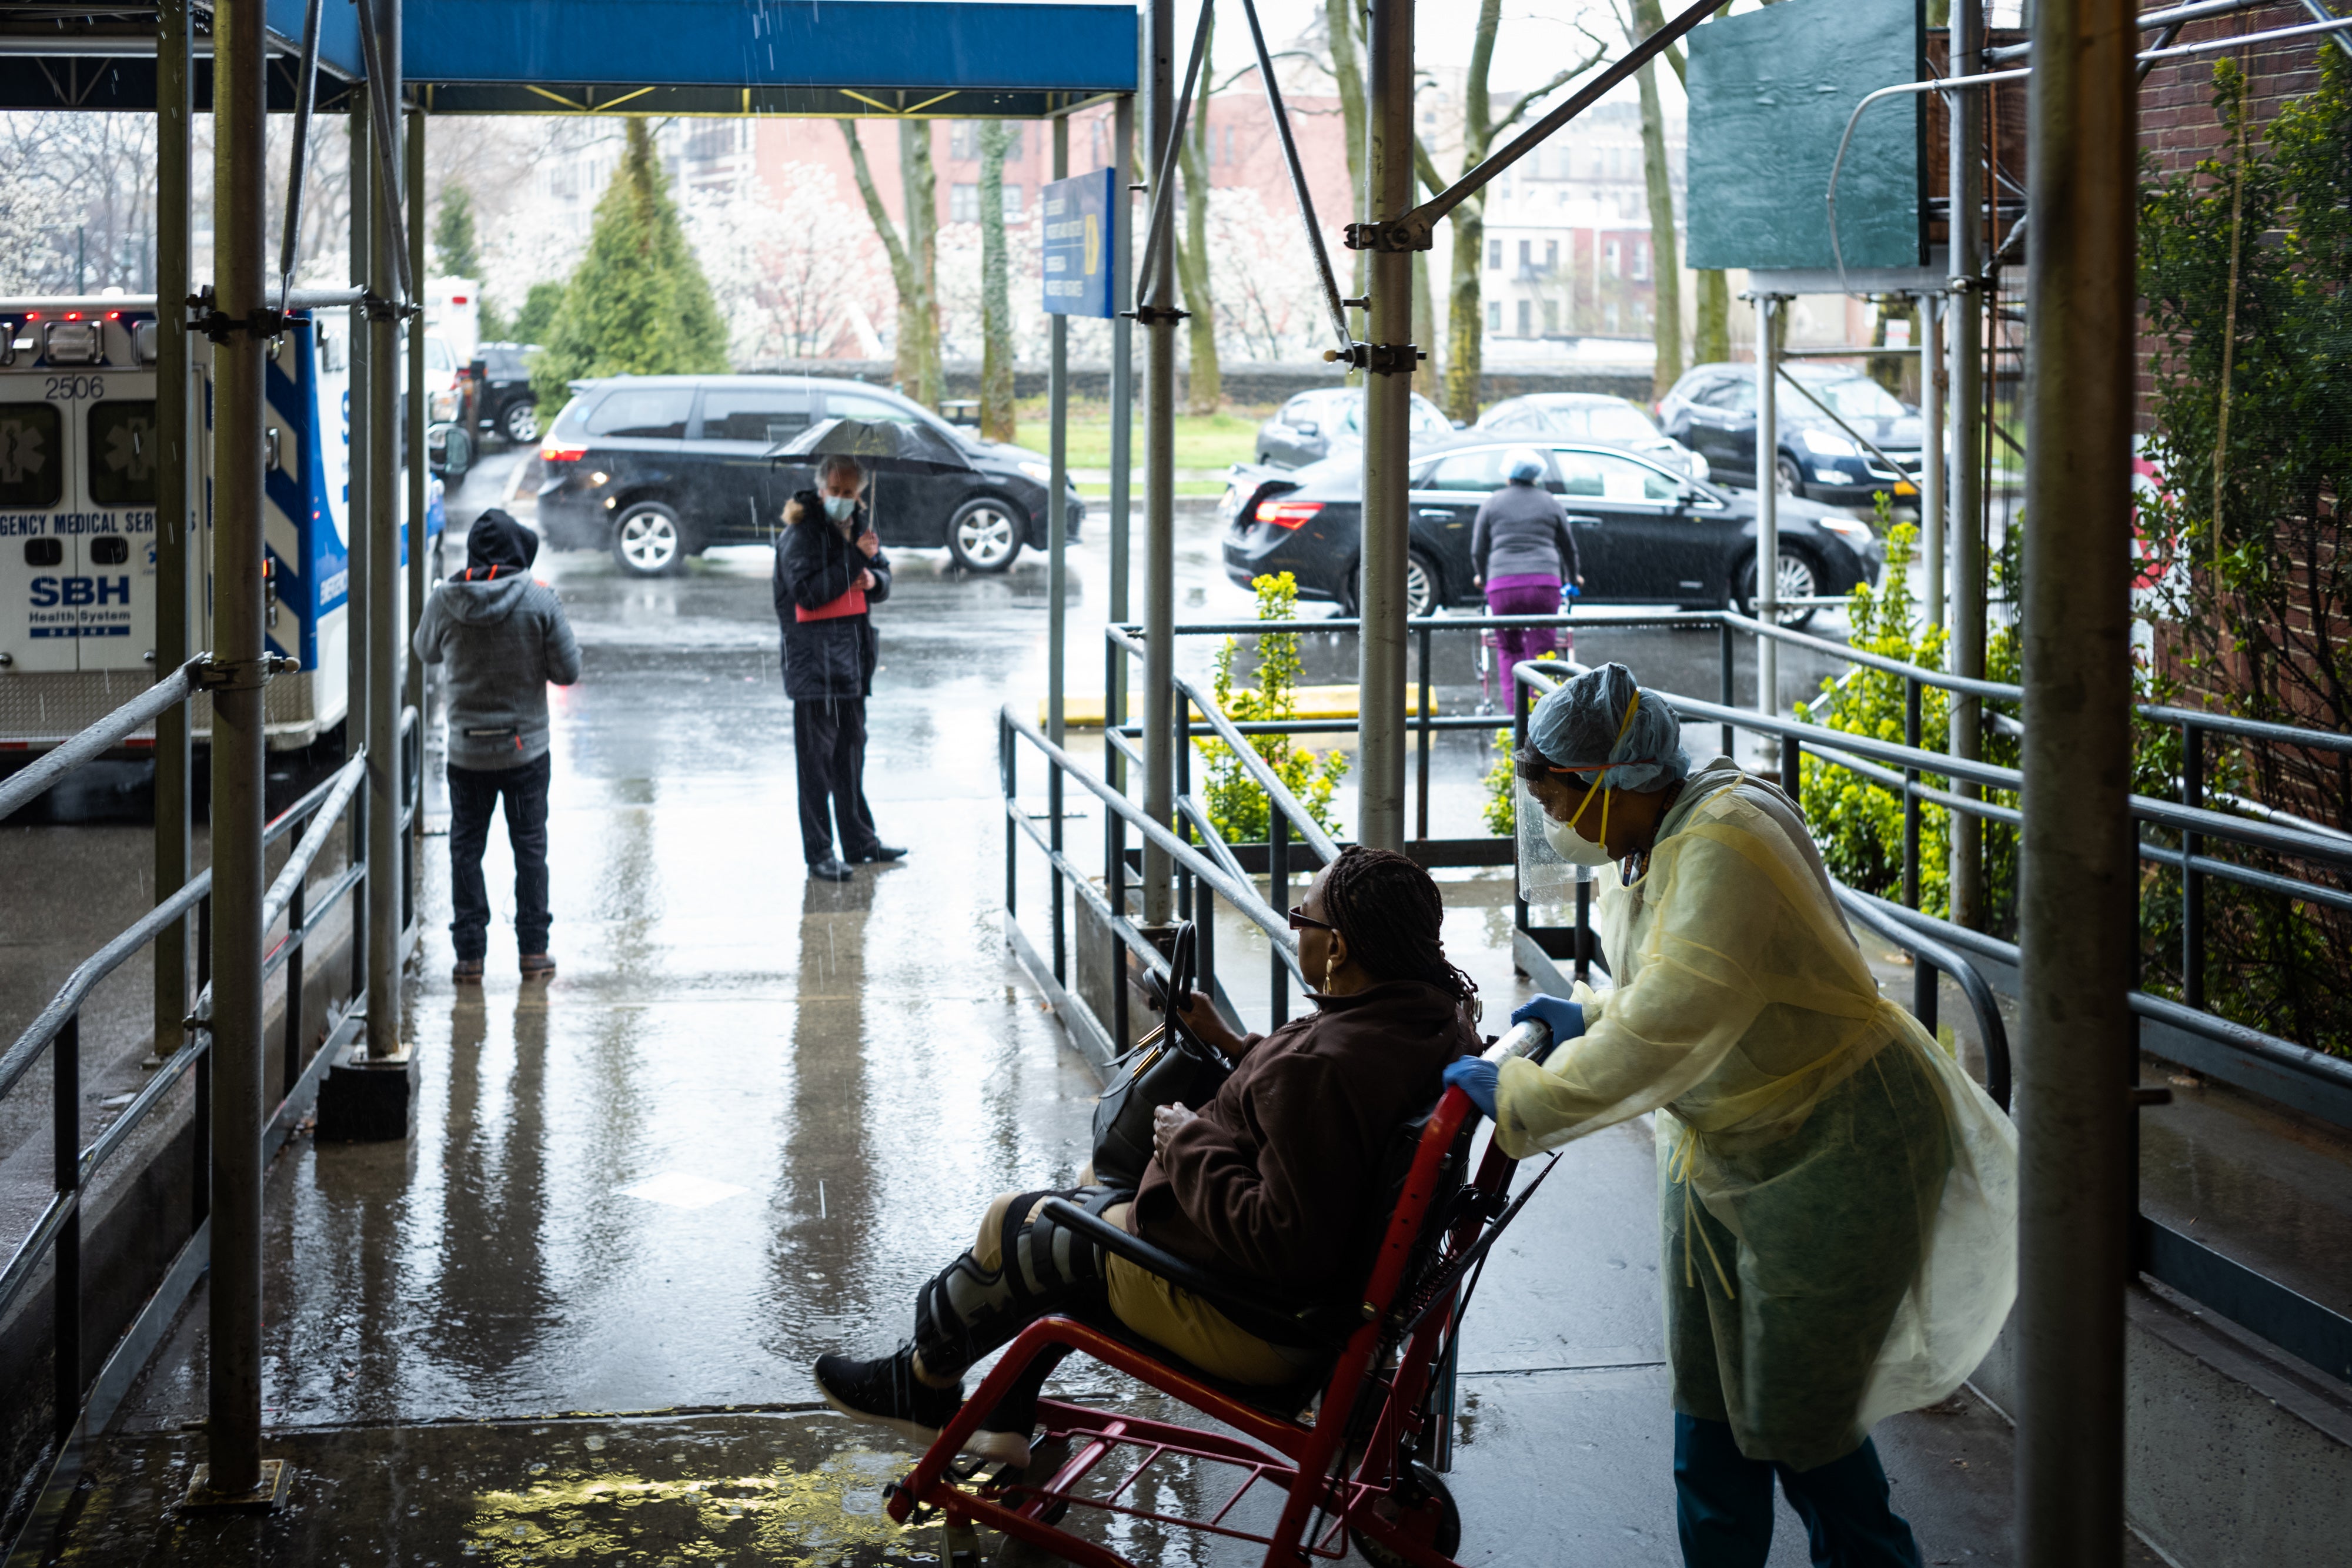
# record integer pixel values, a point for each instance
(78, 463)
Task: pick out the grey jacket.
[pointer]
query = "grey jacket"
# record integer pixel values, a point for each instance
(504, 639)
(1521, 531)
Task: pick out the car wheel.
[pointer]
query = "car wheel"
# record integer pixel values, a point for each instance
(1791, 478)
(1797, 578)
(984, 535)
(649, 541)
(1423, 586)
(520, 423)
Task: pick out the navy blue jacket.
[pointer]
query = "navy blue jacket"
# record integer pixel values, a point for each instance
(817, 561)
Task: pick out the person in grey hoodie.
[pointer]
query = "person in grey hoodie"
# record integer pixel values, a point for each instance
(504, 638)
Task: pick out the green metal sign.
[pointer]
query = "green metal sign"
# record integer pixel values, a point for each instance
(1771, 92)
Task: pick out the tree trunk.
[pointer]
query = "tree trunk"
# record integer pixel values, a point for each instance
(1712, 343)
(903, 280)
(920, 371)
(1424, 329)
(996, 415)
(1465, 321)
(1465, 341)
(1339, 17)
(1665, 254)
(1204, 387)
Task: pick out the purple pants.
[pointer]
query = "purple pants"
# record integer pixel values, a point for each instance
(1524, 594)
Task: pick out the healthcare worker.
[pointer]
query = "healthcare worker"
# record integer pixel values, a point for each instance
(1838, 1199)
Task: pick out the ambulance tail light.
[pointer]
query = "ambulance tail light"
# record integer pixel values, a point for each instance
(1287, 514)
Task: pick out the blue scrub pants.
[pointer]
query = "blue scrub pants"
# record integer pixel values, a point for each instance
(1723, 1505)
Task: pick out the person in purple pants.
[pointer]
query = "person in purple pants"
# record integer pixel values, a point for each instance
(1522, 551)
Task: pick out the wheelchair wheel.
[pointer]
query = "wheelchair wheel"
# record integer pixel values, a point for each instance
(1423, 1505)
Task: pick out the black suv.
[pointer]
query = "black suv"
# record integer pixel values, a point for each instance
(657, 468)
(504, 404)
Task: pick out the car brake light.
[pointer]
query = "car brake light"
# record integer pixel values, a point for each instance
(552, 451)
(1287, 514)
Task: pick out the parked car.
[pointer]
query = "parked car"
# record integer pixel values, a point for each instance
(1591, 416)
(1645, 534)
(506, 405)
(1712, 411)
(657, 468)
(1328, 420)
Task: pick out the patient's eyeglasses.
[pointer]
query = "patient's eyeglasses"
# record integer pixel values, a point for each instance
(1300, 920)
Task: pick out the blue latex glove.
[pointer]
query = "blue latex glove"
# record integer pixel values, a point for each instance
(1474, 1076)
(1563, 1017)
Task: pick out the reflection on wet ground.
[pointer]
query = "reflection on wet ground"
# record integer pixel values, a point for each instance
(753, 1112)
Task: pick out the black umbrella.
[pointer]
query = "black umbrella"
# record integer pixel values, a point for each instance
(880, 446)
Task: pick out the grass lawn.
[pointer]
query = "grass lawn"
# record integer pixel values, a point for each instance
(1202, 441)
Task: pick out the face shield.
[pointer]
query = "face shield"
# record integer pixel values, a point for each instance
(1546, 876)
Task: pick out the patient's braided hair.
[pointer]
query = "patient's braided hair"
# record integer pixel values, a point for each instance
(1389, 910)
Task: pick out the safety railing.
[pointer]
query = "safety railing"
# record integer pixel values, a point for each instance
(82, 1405)
(1205, 868)
(2293, 1073)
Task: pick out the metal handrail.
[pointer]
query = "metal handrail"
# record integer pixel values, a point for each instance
(1276, 925)
(1278, 795)
(1991, 1028)
(64, 758)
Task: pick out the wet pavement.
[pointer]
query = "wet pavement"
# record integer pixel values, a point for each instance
(570, 1319)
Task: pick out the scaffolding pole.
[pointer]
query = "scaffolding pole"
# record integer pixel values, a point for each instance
(1767, 566)
(1388, 414)
(1964, 497)
(1159, 314)
(174, 535)
(386, 451)
(2077, 888)
(240, 245)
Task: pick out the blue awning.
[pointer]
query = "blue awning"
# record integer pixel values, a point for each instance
(964, 58)
(917, 44)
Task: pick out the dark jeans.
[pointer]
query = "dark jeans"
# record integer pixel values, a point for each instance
(829, 744)
(1723, 1505)
(474, 793)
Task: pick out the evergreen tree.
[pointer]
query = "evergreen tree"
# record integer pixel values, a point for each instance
(536, 320)
(637, 304)
(453, 243)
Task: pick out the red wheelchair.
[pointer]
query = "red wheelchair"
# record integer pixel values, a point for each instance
(1353, 1463)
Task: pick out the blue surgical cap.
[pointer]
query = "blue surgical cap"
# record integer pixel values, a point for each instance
(1522, 465)
(1582, 725)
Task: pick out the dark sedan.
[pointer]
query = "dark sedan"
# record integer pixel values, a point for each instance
(1645, 535)
(657, 468)
(505, 405)
(1712, 411)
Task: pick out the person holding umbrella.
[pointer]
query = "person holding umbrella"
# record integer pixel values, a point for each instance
(830, 571)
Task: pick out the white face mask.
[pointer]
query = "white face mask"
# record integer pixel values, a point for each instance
(840, 508)
(1573, 847)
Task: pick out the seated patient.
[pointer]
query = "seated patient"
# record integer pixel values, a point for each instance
(1274, 1183)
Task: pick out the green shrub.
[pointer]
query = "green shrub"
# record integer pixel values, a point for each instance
(1234, 801)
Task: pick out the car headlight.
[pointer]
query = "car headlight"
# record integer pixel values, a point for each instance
(1853, 530)
(1042, 473)
(442, 405)
(1828, 443)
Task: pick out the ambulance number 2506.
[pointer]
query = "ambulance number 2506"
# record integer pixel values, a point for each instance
(74, 387)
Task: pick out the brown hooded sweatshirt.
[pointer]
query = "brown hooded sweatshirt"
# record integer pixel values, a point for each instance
(1273, 1180)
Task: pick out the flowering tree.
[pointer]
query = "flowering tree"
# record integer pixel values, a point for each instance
(786, 258)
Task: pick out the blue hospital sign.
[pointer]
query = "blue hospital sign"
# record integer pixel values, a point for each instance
(1079, 244)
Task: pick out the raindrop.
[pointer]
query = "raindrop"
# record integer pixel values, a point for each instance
(592, 1443)
(538, 1466)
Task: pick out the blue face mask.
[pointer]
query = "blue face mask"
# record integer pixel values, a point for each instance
(840, 508)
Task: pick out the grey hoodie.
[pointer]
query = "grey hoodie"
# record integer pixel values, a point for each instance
(504, 639)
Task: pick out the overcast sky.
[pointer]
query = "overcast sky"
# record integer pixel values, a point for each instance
(1535, 40)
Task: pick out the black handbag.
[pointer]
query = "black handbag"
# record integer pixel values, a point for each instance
(1169, 1066)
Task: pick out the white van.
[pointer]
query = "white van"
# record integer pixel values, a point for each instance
(77, 450)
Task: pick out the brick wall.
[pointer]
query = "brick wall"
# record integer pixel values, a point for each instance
(2178, 124)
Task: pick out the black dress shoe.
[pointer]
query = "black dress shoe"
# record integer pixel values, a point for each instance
(881, 853)
(831, 871)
